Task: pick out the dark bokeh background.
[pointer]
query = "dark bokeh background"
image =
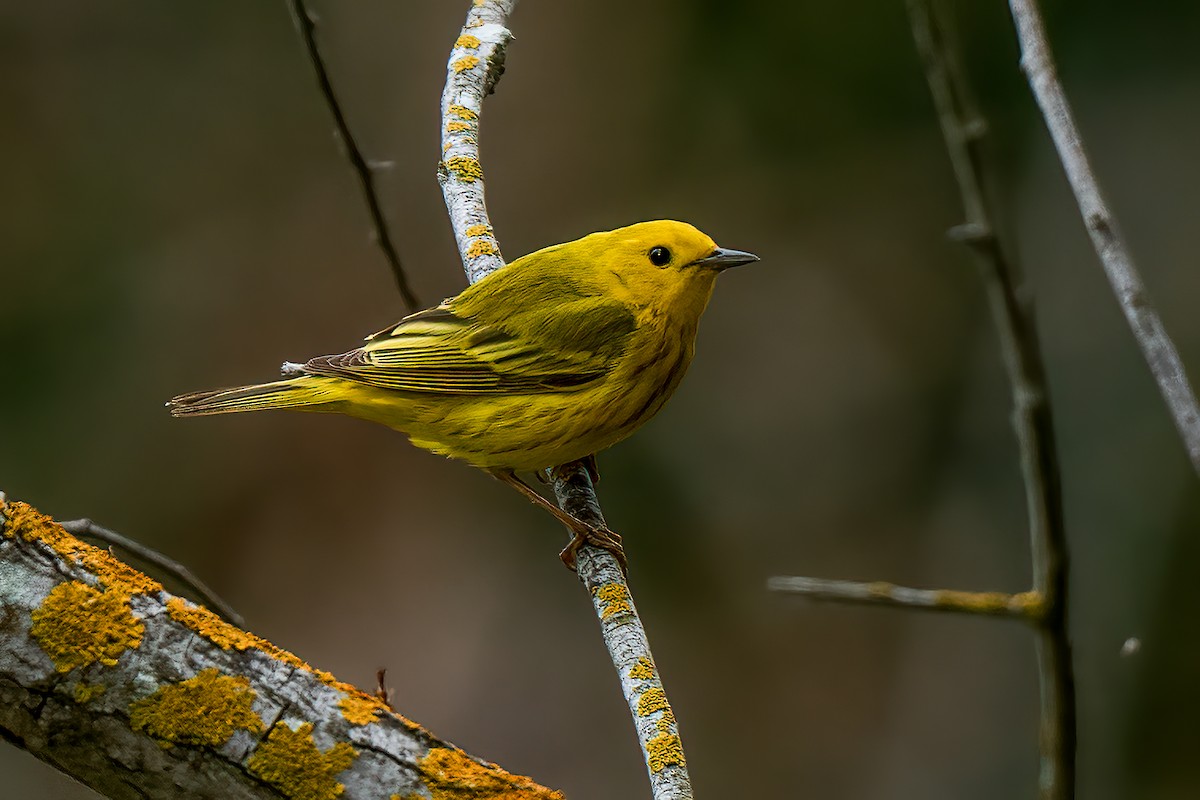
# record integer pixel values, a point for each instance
(177, 216)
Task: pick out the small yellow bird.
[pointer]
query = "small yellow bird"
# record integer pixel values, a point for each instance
(558, 355)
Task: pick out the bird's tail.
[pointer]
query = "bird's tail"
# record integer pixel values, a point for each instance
(291, 393)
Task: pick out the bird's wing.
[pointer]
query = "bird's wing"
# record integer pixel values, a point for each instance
(446, 350)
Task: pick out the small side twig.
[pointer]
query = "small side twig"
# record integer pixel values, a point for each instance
(1147, 327)
(1023, 605)
(306, 25)
(89, 530)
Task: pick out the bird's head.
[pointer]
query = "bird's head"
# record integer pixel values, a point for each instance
(665, 262)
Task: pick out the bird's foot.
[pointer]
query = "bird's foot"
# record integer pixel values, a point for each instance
(596, 537)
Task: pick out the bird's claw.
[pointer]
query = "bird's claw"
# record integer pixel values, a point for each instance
(596, 537)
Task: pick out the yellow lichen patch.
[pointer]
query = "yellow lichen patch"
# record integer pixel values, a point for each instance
(478, 230)
(290, 761)
(450, 774)
(78, 625)
(229, 637)
(480, 2)
(462, 112)
(87, 692)
(465, 63)
(643, 670)
(481, 247)
(467, 169)
(458, 126)
(26, 522)
(225, 635)
(666, 723)
(1031, 604)
(663, 751)
(468, 41)
(615, 597)
(202, 711)
(360, 708)
(652, 700)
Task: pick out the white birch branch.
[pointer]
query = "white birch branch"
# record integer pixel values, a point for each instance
(140, 694)
(474, 67)
(1148, 330)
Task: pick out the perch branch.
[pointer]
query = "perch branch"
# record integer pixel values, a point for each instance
(1024, 605)
(90, 530)
(1148, 330)
(307, 27)
(141, 694)
(475, 65)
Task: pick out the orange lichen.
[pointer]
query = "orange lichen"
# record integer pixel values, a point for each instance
(78, 625)
(229, 637)
(468, 41)
(462, 112)
(458, 126)
(467, 169)
(450, 774)
(615, 597)
(27, 523)
(652, 700)
(360, 708)
(663, 751)
(465, 63)
(87, 692)
(478, 230)
(290, 761)
(481, 247)
(202, 711)
(643, 670)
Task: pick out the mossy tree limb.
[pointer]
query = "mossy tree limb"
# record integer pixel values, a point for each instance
(137, 693)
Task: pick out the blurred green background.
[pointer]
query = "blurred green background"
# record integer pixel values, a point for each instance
(177, 217)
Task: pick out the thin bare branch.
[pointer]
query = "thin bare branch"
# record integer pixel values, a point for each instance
(90, 530)
(1148, 330)
(307, 27)
(475, 65)
(963, 129)
(1024, 605)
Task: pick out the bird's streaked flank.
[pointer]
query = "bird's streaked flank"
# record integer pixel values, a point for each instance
(558, 355)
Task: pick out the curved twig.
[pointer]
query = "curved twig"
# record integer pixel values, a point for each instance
(1148, 330)
(475, 65)
(306, 25)
(90, 530)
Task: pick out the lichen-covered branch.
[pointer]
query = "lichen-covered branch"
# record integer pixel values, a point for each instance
(475, 65)
(140, 694)
(1126, 281)
(1023, 605)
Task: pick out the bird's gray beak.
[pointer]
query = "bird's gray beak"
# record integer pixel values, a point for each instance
(724, 259)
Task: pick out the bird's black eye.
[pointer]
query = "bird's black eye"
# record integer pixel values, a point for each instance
(660, 256)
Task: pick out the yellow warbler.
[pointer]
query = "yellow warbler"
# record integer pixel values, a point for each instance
(558, 355)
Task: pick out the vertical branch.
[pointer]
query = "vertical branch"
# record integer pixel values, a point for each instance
(963, 130)
(474, 67)
(476, 64)
(1148, 330)
(306, 25)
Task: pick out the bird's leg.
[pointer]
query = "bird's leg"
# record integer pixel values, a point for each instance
(581, 532)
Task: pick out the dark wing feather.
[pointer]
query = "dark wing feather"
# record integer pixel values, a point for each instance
(442, 350)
